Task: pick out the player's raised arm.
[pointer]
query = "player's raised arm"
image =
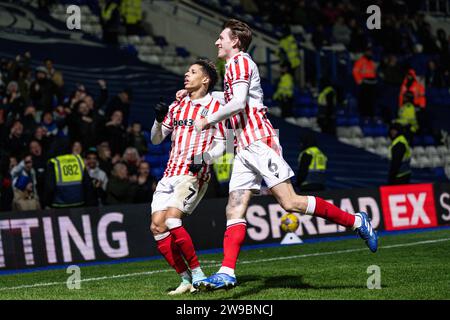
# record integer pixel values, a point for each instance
(162, 126)
(234, 106)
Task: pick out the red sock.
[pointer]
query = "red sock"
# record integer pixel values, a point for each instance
(330, 212)
(184, 242)
(232, 241)
(171, 253)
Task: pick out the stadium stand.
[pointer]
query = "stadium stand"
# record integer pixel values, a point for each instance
(149, 48)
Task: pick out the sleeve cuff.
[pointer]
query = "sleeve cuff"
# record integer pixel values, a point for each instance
(240, 81)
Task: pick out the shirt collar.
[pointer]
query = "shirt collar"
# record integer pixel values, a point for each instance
(234, 56)
(202, 101)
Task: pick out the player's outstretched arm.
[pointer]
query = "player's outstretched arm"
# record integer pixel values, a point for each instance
(234, 106)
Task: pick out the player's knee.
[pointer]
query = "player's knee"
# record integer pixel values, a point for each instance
(234, 212)
(229, 215)
(229, 211)
(158, 228)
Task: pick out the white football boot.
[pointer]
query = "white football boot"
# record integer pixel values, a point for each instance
(184, 287)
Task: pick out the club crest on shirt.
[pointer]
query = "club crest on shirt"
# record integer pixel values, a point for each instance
(204, 112)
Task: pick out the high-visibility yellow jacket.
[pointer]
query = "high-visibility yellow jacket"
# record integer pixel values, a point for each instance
(322, 99)
(407, 116)
(223, 167)
(131, 11)
(285, 87)
(289, 45)
(69, 170)
(405, 167)
(108, 10)
(318, 166)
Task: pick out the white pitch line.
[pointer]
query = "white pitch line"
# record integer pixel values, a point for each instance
(127, 275)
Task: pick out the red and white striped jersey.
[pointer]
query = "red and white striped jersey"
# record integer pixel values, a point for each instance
(252, 123)
(186, 141)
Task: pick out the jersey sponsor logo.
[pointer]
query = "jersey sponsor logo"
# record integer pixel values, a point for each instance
(185, 122)
(408, 206)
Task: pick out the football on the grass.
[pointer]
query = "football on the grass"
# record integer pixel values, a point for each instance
(289, 222)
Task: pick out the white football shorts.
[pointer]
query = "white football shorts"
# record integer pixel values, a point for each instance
(182, 192)
(256, 162)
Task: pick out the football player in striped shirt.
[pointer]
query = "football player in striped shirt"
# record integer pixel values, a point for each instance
(185, 181)
(258, 156)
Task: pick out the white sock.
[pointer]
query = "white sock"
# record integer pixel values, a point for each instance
(197, 271)
(227, 270)
(358, 222)
(173, 223)
(311, 206)
(186, 277)
(162, 236)
(235, 221)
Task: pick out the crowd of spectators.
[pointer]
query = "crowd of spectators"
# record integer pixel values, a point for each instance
(405, 44)
(39, 118)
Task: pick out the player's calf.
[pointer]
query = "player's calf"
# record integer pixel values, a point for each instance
(184, 241)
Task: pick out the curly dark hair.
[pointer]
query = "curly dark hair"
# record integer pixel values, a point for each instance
(209, 68)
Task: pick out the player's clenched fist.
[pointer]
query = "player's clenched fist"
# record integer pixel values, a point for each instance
(196, 164)
(161, 110)
(198, 161)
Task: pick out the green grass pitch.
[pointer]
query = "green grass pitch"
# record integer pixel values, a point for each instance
(412, 266)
